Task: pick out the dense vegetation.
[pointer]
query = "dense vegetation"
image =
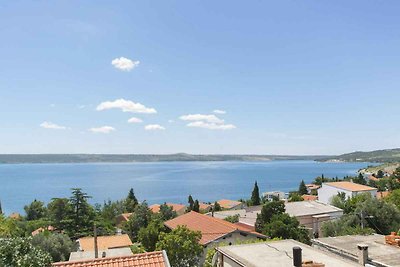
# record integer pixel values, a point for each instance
(385, 155)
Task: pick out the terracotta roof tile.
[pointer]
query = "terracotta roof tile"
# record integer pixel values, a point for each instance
(105, 242)
(211, 228)
(309, 197)
(228, 204)
(350, 186)
(204, 206)
(175, 207)
(383, 194)
(149, 259)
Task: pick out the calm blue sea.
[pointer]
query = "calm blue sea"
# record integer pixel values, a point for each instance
(158, 182)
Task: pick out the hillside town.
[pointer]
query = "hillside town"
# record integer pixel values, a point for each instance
(352, 221)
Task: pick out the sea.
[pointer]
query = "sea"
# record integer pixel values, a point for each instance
(159, 182)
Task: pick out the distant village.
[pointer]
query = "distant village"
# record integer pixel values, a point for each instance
(352, 221)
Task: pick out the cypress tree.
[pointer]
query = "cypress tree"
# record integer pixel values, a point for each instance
(191, 203)
(196, 206)
(303, 188)
(1, 209)
(255, 195)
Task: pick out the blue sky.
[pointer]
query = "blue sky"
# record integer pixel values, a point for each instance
(293, 77)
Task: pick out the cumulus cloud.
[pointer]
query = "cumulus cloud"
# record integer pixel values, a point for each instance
(125, 106)
(124, 64)
(219, 111)
(103, 129)
(201, 117)
(211, 126)
(50, 125)
(206, 121)
(153, 127)
(134, 120)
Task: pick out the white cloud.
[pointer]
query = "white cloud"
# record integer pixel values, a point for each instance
(211, 126)
(124, 64)
(218, 111)
(201, 117)
(125, 106)
(50, 125)
(134, 120)
(103, 129)
(152, 127)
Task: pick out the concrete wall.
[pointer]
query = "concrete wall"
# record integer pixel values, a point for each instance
(327, 192)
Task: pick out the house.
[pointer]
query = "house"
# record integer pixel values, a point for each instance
(277, 254)
(274, 195)
(383, 194)
(374, 247)
(329, 190)
(204, 207)
(41, 230)
(309, 213)
(15, 216)
(104, 242)
(148, 259)
(312, 187)
(178, 208)
(309, 197)
(213, 230)
(227, 204)
(124, 217)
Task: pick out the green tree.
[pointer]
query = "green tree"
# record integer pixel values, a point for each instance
(346, 225)
(82, 216)
(394, 198)
(19, 252)
(303, 188)
(140, 218)
(59, 246)
(148, 236)
(294, 197)
(232, 218)
(166, 213)
(380, 174)
(286, 227)
(396, 174)
(131, 201)
(268, 210)
(255, 195)
(196, 206)
(58, 211)
(1, 209)
(9, 227)
(182, 246)
(191, 203)
(217, 206)
(359, 179)
(34, 211)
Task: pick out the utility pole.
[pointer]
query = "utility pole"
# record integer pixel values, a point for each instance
(362, 217)
(96, 250)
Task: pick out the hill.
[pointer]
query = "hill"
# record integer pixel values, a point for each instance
(384, 155)
(93, 158)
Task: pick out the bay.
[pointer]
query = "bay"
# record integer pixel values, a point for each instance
(158, 182)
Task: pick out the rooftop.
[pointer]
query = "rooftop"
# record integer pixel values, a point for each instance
(278, 254)
(86, 255)
(211, 228)
(105, 242)
(304, 208)
(349, 186)
(228, 204)
(149, 259)
(175, 207)
(378, 251)
(309, 197)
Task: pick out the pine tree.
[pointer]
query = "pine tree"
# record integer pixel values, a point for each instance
(255, 195)
(217, 206)
(131, 201)
(303, 188)
(191, 203)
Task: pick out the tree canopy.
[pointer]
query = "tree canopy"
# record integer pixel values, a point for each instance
(255, 195)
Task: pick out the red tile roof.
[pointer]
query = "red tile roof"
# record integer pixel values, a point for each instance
(383, 194)
(211, 228)
(41, 229)
(105, 242)
(175, 207)
(149, 259)
(204, 206)
(228, 204)
(351, 186)
(309, 197)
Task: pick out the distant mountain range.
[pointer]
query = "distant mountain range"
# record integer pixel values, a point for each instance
(384, 155)
(92, 158)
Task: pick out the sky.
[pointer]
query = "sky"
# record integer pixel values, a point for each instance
(218, 77)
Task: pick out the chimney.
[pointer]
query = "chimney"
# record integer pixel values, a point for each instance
(362, 254)
(103, 255)
(297, 257)
(96, 249)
